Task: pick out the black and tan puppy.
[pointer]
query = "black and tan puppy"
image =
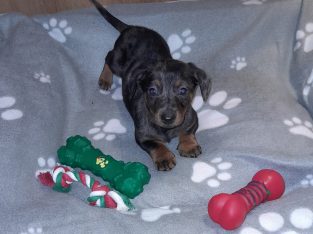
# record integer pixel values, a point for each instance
(157, 90)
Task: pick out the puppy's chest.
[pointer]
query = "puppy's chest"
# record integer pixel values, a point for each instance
(165, 134)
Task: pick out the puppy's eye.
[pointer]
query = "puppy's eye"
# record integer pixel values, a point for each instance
(152, 91)
(182, 91)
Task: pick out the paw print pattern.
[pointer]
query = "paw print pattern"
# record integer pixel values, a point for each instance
(306, 36)
(33, 229)
(58, 30)
(179, 44)
(307, 88)
(115, 91)
(45, 165)
(253, 2)
(210, 118)
(301, 219)
(154, 214)
(307, 181)
(217, 169)
(109, 131)
(42, 77)
(298, 127)
(6, 110)
(238, 63)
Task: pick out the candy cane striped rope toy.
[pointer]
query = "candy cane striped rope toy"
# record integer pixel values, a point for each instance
(61, 177)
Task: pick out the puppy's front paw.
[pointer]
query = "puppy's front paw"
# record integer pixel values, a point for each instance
(189, 150)
(166, 163)
(188, 146)
(163, 160)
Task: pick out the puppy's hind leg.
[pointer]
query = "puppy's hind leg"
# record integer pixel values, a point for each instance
(106, 78)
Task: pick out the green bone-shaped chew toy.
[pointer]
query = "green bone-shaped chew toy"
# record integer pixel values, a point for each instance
(127, 178)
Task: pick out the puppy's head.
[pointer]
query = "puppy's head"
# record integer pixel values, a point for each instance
(169, 89)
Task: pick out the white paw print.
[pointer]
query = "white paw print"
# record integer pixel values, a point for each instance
(307, 181)
(298, 127)
(154, 214)
(8, 113)
(33, 229)
(217, 169)
(109, 131)
(42, 77)
(253, 2)
(45, 165)
(180, 43)
(238, 63)
(116, 91)
(300, 218)
(58, 31)
(307, 36)
(307, 88)
(209, 118)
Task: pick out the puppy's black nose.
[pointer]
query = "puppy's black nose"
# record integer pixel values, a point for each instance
(168, 117)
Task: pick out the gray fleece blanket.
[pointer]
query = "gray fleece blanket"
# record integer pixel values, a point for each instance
(259, 54)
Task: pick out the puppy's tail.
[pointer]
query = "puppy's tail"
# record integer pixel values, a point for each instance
(116, 23)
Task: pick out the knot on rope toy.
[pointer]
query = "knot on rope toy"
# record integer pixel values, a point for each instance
(61, 177)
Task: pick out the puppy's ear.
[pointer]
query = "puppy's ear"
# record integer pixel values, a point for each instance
(143, 79)
(134, 86)
(202, 80)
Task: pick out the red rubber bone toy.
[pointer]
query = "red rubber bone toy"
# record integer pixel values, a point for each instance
(230, 210)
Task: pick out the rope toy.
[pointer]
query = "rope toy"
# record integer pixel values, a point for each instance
(230, 210)
(61, 177)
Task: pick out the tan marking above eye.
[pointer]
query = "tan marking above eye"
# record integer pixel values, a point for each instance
(157, 83)
(178, 83)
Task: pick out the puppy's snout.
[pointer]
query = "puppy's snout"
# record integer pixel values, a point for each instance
(168, 116)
